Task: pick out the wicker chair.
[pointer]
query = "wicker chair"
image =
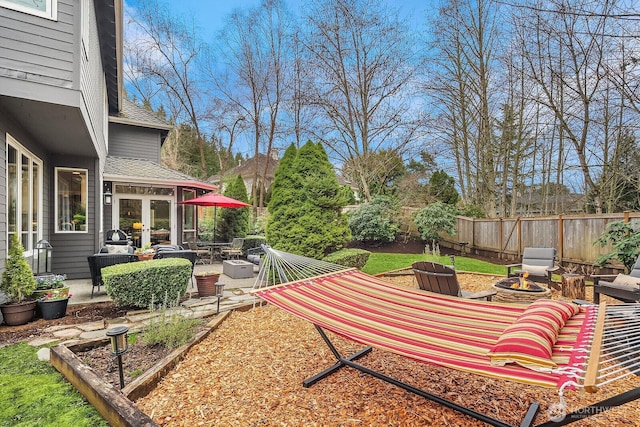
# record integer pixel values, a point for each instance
(98, 261)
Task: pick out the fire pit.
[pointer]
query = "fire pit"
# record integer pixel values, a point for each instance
(516, 289)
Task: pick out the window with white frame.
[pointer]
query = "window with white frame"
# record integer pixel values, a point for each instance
(72, 193)
(43, 8)
(24, 194)
(188, 217)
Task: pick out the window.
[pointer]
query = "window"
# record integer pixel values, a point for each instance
(43, 8)
(71, 200)
(24, 198)
(188, 217)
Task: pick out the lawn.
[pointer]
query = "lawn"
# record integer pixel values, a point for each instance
(33, 393)
(381, 262)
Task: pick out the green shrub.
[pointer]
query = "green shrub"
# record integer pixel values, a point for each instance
(376, 221)
(624, 238)
(142, 284)
(349, 257)
(435, 219)
(170, 331)
(253, 242)
(17, 279)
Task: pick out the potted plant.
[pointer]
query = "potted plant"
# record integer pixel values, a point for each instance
(145, 253)
(54, 304)
(18, 283)
(49, 283)
(206, 282)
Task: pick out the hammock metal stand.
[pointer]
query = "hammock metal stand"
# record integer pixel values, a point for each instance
(527, 420)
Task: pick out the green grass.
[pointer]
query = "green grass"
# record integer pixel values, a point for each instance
(381, 262)
(33, 393)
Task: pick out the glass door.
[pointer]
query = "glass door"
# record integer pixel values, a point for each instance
(145, 219)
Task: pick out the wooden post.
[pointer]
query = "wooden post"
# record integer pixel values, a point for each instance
(519, 236)
(573, 286)
(560, 239)
(501, 254)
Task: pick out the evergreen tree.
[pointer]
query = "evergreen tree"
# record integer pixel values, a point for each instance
(443, 188)
(306, 204)
(234, 222)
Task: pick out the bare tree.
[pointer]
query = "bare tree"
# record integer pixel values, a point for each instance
(165, 53)
(361, 59)
(256, 68)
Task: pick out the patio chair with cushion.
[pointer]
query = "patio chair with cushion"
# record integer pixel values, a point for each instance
(623, 287)
(234, 251)
(202, 254)
(441, 279)
(186, 254)
(100, 260)
(539, 263)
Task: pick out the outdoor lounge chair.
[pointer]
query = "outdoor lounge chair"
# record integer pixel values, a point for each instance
(98, 261)
(234, 251)
(441, 279)
(538, 262)
(624, 288)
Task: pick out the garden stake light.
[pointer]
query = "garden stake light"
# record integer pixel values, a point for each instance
(119, 346)
(219, 292)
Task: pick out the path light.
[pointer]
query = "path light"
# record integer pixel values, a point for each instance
(119, 346)
(219, 292)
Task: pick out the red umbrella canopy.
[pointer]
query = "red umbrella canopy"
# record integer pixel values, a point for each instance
(216, 200)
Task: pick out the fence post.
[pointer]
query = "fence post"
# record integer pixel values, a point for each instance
(519, 236)
(501, 253)
(560, 239)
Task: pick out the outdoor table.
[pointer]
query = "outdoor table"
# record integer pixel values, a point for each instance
(215, 249)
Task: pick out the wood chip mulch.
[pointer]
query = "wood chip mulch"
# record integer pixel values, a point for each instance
(249, 372)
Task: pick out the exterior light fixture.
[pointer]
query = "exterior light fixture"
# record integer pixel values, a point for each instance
(119, 346)
(108, 198)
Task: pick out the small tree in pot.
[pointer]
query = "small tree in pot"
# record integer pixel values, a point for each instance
(18, 283)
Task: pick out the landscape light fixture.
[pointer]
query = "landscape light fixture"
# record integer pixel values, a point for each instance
(119, 346)
(219, 292)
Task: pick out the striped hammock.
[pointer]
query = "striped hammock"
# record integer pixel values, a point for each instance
(431, 328)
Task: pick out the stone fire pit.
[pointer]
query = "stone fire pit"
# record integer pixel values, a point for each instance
(505, 292)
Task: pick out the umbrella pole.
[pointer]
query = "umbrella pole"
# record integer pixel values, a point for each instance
(215, 208)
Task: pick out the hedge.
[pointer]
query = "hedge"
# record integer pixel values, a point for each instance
(141, 284)
(349, 257)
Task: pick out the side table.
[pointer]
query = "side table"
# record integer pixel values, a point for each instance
(573, 286)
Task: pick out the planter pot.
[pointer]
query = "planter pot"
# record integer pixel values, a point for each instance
(145, 257)
(18, 314)
(207, 285)
(53, 309)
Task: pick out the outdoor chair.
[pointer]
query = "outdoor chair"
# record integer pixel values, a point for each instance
(441, 279)
(98, 261)
(538, 262)
(622, 287)
(186, 254)
(116, 249)
(234, 250)
(201, 253)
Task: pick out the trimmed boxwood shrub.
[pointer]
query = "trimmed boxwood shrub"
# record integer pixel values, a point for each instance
(349, 257)
(252, 242)
(141, 284)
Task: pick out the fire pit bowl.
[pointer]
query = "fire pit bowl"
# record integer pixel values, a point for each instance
(505, 293)
(511, 281)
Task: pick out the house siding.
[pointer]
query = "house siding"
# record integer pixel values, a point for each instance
(70, 250)
(92, 81)
(39, 50)
(133, 142)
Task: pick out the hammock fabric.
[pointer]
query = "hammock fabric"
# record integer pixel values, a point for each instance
(432, 328)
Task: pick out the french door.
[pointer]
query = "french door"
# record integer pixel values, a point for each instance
(147, 219)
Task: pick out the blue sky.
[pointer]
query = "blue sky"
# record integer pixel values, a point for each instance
(211, 14)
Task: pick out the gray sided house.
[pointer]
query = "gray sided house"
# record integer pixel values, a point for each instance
(76, 159)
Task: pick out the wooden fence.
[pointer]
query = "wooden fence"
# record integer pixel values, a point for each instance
(573, 236)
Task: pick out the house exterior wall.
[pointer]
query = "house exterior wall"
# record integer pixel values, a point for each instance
(134, 142)
(39, 52)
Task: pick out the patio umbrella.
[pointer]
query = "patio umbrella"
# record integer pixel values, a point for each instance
(216, 200)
